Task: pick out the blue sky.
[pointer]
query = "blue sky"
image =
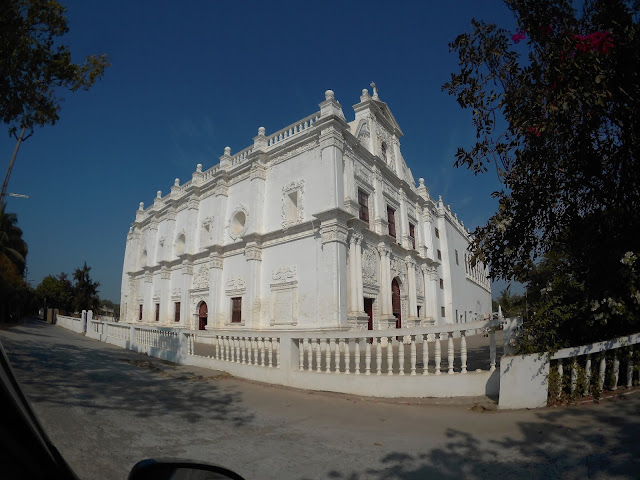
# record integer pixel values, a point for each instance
(189, 78)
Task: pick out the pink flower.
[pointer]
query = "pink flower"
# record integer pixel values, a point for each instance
(516, 37)
(600, 42)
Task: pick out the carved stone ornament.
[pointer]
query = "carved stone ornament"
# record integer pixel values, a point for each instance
(293, 153)
(370, 267)
(177, 292)
(238, 222)
(202, 278)
(258, 171)
(334, 233)
(252, 252)
(292, 213)
(362, 132)
(156, 296)
(235, 285)
(399, 269)
(205, 232)
(363, 173)
(165, 274)
(216, 261)
(419, 285)
(284, 274)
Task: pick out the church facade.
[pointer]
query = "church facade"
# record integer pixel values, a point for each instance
(317, 226)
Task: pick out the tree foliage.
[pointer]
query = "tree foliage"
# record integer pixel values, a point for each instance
(14, 292)
(85, 290)
(556, 108)
(56, 292)
(36, 66)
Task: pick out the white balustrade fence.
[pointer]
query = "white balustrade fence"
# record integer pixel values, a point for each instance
(417, 362)
(292, 129)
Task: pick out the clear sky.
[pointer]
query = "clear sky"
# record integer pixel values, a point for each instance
(191, 77)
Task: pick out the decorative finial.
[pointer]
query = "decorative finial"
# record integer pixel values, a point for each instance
(261, 131)
(227, 151)
(440, 198)
(141, 206)
(199, 168)
(421, 180)
(329, 95)
(159, 194)
(375, 91)
(365, 91)
(176, 182)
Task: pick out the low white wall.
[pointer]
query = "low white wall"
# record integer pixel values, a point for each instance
(523, 381)
(70, 323)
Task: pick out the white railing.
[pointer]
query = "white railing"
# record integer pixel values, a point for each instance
(118, 331)
(263, 351)
(404, 351)
(70, 323)
(163, 338)
(241, 156)
(579, 359)
(210, 173)
(292, 129)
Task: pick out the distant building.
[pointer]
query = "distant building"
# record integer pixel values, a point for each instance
(317, 226)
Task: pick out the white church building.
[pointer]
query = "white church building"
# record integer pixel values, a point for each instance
(319, 226)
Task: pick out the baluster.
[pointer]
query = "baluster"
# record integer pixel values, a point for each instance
(390, 356)
(261, 350)
(401, 355)
(367, 358)
(235, 349)
(378, 355)
(437, 354)
(254, 350)
(587, 373)
(616, 370)
(330, 354)
(425, 354)
(463, 351)
(492, 349)
(247, 350)
(340, 350)
(241, 346)
(306, 347)
(324, 354)
(314, 352)
(269, 352)
(630, 369)
(450, 356)
(356, 357)
(413, 354)
(347, 356)
(603, 366)
(301, 346)
(224, 348)
(278, 344)
(215, 347)
(336, 356)
(574, 374)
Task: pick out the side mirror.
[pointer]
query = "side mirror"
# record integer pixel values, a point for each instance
(167, 469)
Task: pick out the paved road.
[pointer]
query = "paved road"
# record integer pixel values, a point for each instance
(106, 408)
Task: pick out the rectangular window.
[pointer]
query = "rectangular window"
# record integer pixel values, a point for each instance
(412, 234)
(391, 218)
(157, 312)
(236, 310)
(176, 315)
(437, 233)
(419, 308)
(442, 311)
(457, 260)
(439, 255)
(442, 284)
(140, 314)
(363, 201)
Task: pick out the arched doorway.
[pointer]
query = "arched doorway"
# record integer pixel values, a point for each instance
(202, 316)
(396, 305)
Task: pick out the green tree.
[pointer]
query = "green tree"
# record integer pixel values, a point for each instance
(57, 292)
(14, 293)
(36, 67)
(512, 305)
(556, 106)
(85, 290)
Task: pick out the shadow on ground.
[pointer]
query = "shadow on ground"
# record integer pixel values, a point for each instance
(601, 442)
(78, 375)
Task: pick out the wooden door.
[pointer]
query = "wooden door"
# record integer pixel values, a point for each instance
(202, 316)
(395, 302)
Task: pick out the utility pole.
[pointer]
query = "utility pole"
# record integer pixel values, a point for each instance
(5, 184)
